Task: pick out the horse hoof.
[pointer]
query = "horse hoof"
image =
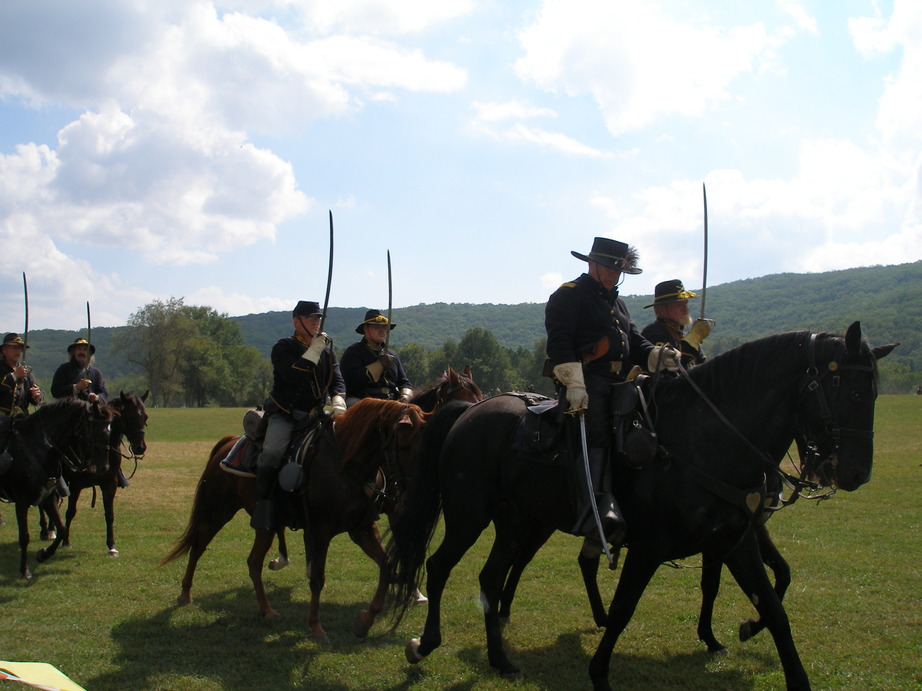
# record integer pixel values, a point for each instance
(514, 674)
(412, 652)
(41, 556)
(746, 630)
(183, 600)
(270, 614)
(363, 622)
(420, 597)
(278, 564)
(112, 552)
(718, 651)
(49, 535)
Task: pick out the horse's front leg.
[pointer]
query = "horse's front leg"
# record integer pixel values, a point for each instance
(589, 555)
(108, 488)
(281, 561)
(772, 558)
(745, 563)
(71, 511)
(22, 521)
(638, 569)
(368, 538)
(711, 566)
(262, 542)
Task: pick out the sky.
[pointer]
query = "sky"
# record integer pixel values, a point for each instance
(157, 149)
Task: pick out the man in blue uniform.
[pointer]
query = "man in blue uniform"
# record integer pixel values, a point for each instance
(305, 371)
(592, 343)
(78, 377)
(18, 391)
(670, 303)
(369, 369)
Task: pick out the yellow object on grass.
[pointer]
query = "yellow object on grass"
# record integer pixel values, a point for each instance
(39, 675)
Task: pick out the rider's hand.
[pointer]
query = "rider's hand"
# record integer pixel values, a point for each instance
(318, 344)
(663, 357)
(699, 331)
(570, 374)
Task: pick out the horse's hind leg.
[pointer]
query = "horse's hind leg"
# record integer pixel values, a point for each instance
(316, 549)
(589, 555)
(51, 507)
(711, 566)
(369, 540)
(262, 542)
(772, 558)
(523, 557)
(46, 530)
(205, 532)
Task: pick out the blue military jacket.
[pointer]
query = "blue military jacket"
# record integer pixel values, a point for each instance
(298, 384)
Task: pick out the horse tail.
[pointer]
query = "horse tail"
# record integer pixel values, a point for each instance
(203, 505)
(413, 524)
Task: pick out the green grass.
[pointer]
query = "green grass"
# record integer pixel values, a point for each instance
(855, 603)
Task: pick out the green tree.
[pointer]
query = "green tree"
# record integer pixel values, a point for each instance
(480, 349)
(415, 361)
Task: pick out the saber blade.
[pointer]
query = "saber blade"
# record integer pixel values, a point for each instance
(390, 302)
(595, 507)
(704, 278)
(326, 299)
(25, 331)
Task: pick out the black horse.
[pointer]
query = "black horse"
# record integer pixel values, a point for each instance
(725, 427)
(129, 420)
(64, 434)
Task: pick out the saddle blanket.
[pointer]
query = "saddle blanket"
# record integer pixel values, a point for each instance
(239, 461)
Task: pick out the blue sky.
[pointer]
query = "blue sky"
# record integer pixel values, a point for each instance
(183, 148)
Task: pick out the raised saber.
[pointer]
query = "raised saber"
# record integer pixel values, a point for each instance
(592, 503)
(25, 331)
(390, 302)
(326, 299)
(89, 342)
(704, 278)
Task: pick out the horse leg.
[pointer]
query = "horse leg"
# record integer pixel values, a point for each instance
(638, 569)
(772, 558)
(51, 507)
(281, 561)
(316, 546)
(455, 544)
(46, 531)
(745, 563)
(22, 517)
(108, 488)
(204, 532)
(711, 566)
(71, 511)
(523, 557)
(588, 560)
(262, 542)
(368, 538)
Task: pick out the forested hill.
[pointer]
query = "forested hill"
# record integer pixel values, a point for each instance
(886, 299)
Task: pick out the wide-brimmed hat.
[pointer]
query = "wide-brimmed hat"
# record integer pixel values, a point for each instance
(81, 341)
(670, 291)
(306, 308)
(13, 339)
(613, 254)
(373, 317)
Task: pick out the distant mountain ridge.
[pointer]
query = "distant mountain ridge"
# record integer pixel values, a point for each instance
(886, 299)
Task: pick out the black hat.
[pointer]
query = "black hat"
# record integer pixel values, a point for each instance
(670, 291)
(372, 317)
(613, 254)
(13, 339)
(306, 308)
(81, 341)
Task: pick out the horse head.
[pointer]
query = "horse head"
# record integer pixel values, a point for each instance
(132, 419)
(93, 439)
(836, 401)
(458, 387)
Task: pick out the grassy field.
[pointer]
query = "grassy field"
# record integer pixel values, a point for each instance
(112, 623)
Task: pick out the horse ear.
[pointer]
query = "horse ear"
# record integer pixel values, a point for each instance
(144, 397)
(883, 351)
(853, 339)
(451, 372)
(468, 372)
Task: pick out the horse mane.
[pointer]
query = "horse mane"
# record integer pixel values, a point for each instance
(354, 428)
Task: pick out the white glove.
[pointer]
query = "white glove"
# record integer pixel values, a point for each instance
(570, 374)
(338, 405)
(663, 357)
(699, 331)
(318, 344)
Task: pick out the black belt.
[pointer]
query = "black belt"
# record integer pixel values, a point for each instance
(605, 367)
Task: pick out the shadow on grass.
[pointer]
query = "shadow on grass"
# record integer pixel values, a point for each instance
(10, 554)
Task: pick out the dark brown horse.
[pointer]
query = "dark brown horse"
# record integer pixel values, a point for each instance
(725, 426)
(221, 495)
(66, 433)
(129, 420)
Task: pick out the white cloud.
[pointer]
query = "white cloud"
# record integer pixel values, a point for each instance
(638, 62)
(795, 10)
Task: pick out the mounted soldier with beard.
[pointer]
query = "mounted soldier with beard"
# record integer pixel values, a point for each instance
(670, 303)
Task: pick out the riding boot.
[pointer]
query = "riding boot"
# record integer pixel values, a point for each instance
(264, 513)
(122, 480)
(613, 525)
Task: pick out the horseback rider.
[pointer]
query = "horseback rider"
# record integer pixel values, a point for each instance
(592, 343)
(670, 303)
(78, 377)
(370, 369)
(18, 391)
(305, 371)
